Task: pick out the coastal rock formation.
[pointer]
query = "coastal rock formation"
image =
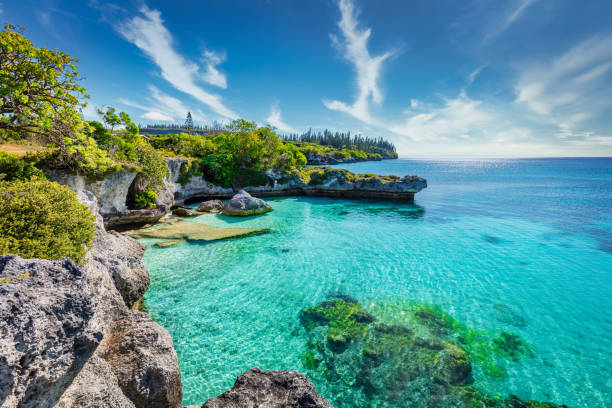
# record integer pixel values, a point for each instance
(270, 389)
(315, 181)
(112, 194)
(243, 204)
(213, 206)
(65, 331)
(46, 335)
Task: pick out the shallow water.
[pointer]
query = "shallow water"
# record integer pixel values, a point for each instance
(523, 246)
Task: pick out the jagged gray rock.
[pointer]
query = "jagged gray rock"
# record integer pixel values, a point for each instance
(60, 324)
(269, 389)
(46, 335)
(242, 204)
(143, 359)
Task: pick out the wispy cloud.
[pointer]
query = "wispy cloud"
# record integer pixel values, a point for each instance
(571, 88)
(460, 117)
(212, 75)
(162, 104)
(515, 11)
(354, 46)
(276, 120)
(148, 33)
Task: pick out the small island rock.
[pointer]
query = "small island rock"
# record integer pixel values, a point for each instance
(214, 206)
(243, 204)
(184, 212)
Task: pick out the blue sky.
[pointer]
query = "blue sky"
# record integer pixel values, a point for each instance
(473, 78)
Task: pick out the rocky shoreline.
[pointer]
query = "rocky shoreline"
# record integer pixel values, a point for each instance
(70, 336)
(114, 192)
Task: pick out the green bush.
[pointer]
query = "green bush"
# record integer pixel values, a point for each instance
(146, 199)
(14, 168)
(42, 219)
(151, 163)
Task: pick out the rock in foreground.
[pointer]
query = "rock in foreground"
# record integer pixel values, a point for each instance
(46, 335)
(270, 389)
(243, 205)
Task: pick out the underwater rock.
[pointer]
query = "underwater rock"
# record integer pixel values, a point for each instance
(243, 205)
(213, 206)
(270, 389)
(169, 243)
(507, 315)
(195, 231)
(185, 212)
(365, 361)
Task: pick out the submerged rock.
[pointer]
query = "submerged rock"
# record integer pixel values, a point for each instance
(195, 231)
(213, 206)
(169, 243)
(270, 389)
(425, 361)
(507, 315)
(243, 204)
(185, 212)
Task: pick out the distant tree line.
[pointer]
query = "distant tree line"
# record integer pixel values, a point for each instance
(187, 127)
(341, 140)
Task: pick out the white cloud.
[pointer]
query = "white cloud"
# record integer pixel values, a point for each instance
(457, 118)
(414, 103)
(166, 105)
(355, 48)
(572, 87)
(148, 33)
(507, 20)
(212, 74)
(157, 116)
(276, 120)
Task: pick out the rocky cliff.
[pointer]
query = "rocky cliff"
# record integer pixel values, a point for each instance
(68, 335)
(115, 193)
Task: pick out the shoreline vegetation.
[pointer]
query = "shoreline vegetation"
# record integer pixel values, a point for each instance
(80, 295)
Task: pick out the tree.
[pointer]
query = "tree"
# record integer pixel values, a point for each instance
(40, 96)
(38, 87)
(110, 118)
(189, 123)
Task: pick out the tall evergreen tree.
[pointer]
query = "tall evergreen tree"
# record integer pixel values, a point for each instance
(189, 123)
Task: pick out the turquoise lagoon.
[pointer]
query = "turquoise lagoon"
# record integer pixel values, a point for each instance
(523, 246)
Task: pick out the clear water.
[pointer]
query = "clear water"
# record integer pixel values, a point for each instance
(533, 235)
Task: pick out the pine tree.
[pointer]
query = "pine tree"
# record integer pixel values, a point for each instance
(189, 123)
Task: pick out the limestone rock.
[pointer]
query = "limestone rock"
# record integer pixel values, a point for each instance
(269, 389)
(214, 206)
(243, 204)
(142, 357)
(46, 330)
(185, 212)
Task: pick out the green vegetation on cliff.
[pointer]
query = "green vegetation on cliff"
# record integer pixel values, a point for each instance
(42, 219)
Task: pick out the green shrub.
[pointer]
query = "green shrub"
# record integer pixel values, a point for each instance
(14, 168)
(146, 199)
(151, 163)
(42, 219)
